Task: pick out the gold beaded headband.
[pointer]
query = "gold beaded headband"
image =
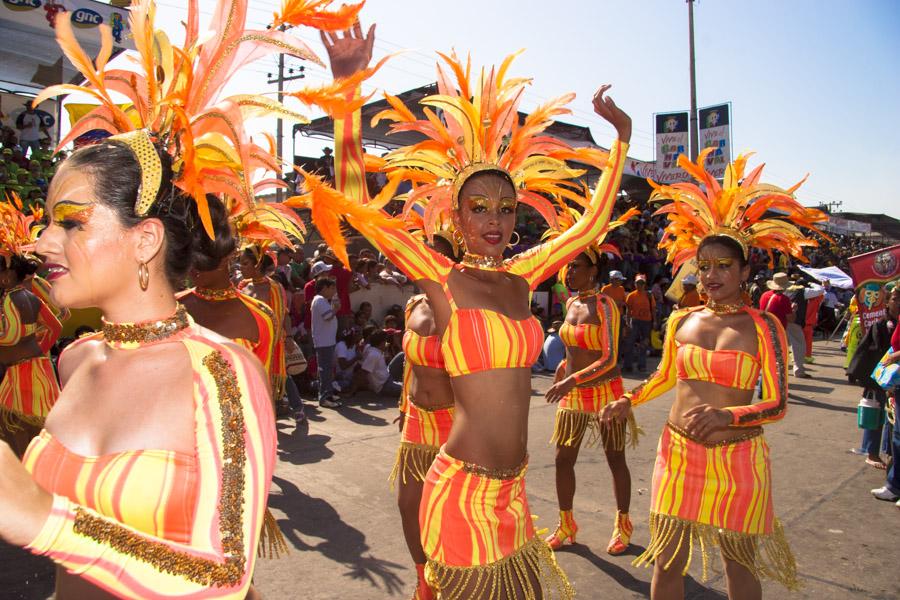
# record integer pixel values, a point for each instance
(145, 153)
(471, 169)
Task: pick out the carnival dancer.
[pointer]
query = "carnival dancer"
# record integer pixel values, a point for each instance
(475, 166)
(712, 484)
(162, 495)
(47, 333)
(588, 381)
(28, 329)
(426, 415)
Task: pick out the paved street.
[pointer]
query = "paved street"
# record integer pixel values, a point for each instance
(332, 500)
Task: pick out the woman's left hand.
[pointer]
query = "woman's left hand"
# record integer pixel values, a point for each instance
(24, 505)
(560, 390)
(351, 53)
(704, 419)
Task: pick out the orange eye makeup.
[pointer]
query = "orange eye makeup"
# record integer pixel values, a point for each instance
(721, 263)
(71, 211)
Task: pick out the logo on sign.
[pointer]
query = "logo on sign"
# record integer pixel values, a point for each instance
(84, 17)
(885, 264)
(22, 4)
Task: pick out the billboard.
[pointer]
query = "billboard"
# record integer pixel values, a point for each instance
(870, 271)
(715, 132)
(85, 16)
(672, 139)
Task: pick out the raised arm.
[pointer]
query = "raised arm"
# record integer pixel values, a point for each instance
(51, 327)
(235, 457)
(541, 262)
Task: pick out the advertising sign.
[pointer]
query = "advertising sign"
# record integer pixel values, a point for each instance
(715, 132)
(85, 16)
(870, 271)
(672, 139)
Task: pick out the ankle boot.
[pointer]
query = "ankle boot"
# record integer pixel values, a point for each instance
(621, 535)
(565, 530)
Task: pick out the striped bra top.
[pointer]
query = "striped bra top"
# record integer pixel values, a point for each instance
(588, 336)
(154, 491)
(731, 368)
(478, 339)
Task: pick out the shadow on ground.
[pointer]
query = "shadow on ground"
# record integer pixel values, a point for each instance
(313, 525)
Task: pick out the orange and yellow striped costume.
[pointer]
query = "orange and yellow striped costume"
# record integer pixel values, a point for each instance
(598, 384)
(425, 430)
(719, 494)
(278, 305)
(159, 524)
(466, 551)
(29, 387)
(474, 519)
(48, 329)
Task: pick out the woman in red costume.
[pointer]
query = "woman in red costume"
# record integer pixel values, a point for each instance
(28, 328)
(151, 475)
(589, 379)
(712, 481)
(474, 168)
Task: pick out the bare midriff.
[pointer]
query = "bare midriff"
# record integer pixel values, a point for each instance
(430, 388)
(691, 393)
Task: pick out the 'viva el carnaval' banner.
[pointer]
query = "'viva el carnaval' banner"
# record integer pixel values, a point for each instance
(672, 139)
(715, 132)
(870, 271)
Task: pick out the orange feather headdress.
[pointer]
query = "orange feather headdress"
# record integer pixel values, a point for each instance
(176, 101)
(737, 209)
(18, 231)
(479, 130)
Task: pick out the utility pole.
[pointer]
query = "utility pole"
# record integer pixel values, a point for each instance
(695, 135)
(280, 80)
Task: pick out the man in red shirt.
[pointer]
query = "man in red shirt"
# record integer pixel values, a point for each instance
(776, 302)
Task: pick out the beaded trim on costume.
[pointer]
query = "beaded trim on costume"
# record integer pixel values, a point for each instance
(509, 473)
(118, 335)
(203, 571)
(213, 295)
(736, 440)
(582, 296)
(725, 309)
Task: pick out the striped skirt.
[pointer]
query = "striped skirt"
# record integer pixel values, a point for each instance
(478, 535)
(28, 392)
(720, 494)
(424, 432)
(579, 412)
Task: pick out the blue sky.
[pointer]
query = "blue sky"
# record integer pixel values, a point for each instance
(814, 85)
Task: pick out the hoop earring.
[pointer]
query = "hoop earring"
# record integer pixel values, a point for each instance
(513, 244)
(143, 276)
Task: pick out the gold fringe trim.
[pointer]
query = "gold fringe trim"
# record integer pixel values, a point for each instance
(12, 420)
(765, 555)
(414, 460)
(271, 541)
(571, 426)
(509, 577)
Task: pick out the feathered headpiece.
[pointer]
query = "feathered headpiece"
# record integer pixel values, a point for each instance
(18, 231)
(175, 100)
(479, 130)
(737, 209)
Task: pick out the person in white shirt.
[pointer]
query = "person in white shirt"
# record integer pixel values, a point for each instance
(347, 356)
(30, 127)
(375, 367)
(324, 333)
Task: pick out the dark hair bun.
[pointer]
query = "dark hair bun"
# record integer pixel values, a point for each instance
(208, 253)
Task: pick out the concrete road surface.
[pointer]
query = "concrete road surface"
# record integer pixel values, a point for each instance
(331, 498)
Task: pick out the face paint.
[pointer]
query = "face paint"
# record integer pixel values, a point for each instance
(721, 263)
(70, 211)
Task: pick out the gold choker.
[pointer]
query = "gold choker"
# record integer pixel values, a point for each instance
(487, 263)
(725, 309)
(214, 295)
(132, 335)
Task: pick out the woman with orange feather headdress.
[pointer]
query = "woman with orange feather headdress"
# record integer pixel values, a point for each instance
(476, 163)
(151, 476)
(28, 327)
(712, 480)
(586, 381)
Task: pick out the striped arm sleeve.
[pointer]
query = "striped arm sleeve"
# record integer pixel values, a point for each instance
(235, 439)
(664, 378)
(608, 343)
(11, 326)
(540, 262)
(773, 348)
(50, 326)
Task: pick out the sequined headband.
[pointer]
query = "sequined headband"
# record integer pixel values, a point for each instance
(141, 145)
(471, 169)
(733, 234)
